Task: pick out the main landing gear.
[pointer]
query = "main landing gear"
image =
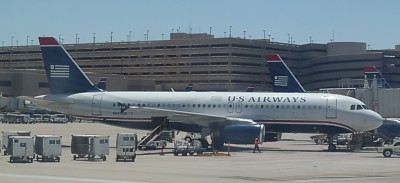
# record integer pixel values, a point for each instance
(331, 146)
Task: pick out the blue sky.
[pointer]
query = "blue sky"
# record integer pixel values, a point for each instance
(374, 22)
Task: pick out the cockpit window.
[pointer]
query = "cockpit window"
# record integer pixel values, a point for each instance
(358, 107)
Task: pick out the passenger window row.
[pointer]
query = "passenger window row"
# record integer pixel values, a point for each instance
(256, 106)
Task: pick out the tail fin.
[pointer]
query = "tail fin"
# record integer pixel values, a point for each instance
(250, 88)
(63, 74)
(370, 72)
(282, 78)
(189, 87)
(102, 83)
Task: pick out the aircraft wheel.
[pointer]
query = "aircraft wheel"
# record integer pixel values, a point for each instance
(332, 148)
(387, 153)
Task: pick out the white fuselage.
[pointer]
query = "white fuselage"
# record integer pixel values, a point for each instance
(288, 112)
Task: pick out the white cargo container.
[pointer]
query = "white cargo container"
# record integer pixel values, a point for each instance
(90, 146)
(126, 146)
(7, 134)
(48, 147)
(20, 148)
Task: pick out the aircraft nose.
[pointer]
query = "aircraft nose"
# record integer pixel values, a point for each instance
(374, 120)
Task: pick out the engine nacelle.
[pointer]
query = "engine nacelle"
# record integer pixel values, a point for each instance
(243, 133)
(272, 136)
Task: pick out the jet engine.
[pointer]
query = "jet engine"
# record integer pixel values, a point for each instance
(243, 133)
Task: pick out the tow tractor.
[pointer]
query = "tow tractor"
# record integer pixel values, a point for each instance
(184, 147)
(393, 148)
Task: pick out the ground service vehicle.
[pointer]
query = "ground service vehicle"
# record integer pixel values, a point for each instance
(126, 146)
(388, 150)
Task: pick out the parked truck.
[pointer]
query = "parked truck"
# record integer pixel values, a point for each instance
(48, 147)
(7, 134)
(126, 146)
(21, 148)
(90, 146)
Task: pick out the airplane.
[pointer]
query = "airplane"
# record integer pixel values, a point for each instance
(371, 72)
(228, 117)
(250, 88)
(283, 80)
(102, 83)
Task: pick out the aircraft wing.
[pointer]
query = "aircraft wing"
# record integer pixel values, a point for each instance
(46, 103)
(205, 120)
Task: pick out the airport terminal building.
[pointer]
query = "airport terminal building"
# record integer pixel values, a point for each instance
(211, 64)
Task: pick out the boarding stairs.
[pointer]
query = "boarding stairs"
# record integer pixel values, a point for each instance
(144, 143)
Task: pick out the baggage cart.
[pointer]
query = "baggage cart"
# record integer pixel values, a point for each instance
(7, 134)
(90, 146)
(48, 147)
(21, 148)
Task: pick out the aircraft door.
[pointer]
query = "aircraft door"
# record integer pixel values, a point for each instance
(331, 108)
(231, 107)
(238, 107)
(96, 104)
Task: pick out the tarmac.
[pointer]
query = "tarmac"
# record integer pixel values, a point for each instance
(294, 159)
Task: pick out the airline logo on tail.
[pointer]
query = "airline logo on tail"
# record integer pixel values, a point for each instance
(59, 71)
(283, 80)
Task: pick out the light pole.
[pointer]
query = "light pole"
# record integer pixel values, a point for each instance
(264, 33)
(162, 36)
(244, 34)
(224, 33)
(130, 36)
(288, 41)
(147, 35)
(210, 30)
(269, 36)
(94, 38)
(12, 40)
(27, 40)
(230, 31)
(172, 30)
(59, 37)
(111, 37)
(76, 38)
(2, 43)
(17, 42)
(9, 58)
(31, 42)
